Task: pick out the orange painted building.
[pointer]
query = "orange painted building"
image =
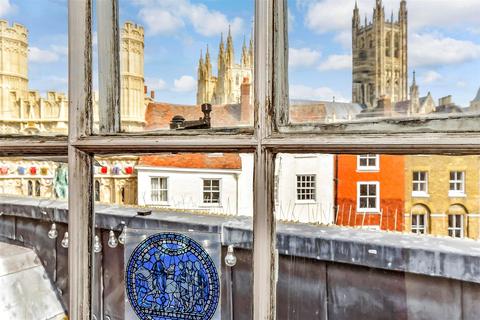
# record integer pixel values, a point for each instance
(370, 191)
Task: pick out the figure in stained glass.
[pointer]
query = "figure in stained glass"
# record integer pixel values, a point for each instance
(170, 276)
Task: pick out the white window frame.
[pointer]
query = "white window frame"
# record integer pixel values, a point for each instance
(272, 134)
(159, 190)
(456, 180)
(220, 189)
(377, 197)
(368, 168)
(303, 188)
(419, 182)
(417, 228)
(453, 229)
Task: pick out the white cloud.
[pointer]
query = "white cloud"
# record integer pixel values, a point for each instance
(5, 7)
(50, 55)
(301, 92)
(156, 84)
(344, 38)
(302, 57)
(425, 13)
(336, 62)
(160, 21)
(435, 49)
(184, 84)
(42, 56)
(431, 76)
(168, 16)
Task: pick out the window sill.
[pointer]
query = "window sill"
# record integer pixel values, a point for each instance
(420, 195)
(362, 170)
(457, 195)
(371, 211)
(305, 202)
(210, 205)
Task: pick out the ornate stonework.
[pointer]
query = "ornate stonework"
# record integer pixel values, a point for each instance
(226, 87)
(380, 56)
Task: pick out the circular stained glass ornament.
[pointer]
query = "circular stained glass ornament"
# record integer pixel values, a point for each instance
(170, 276)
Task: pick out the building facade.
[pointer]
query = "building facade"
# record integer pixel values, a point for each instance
(213, 183)
(370, 191)
(304, 188)
(442, 195)
(225, 87)
(379, 53)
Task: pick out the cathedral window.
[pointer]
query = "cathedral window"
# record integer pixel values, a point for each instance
(38, 191)
(30, 188)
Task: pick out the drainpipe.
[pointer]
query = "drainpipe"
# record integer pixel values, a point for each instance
(335, 186)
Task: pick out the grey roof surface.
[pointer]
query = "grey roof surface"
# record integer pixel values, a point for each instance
(26, 291)
(434, 256)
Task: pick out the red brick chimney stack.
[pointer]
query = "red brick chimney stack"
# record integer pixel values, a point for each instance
(246, 108)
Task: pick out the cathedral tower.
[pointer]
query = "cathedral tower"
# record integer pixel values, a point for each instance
(132, 73)
(225, 88)
(13, 69)
(379, 53)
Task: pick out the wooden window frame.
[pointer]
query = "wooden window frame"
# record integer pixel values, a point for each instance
(375, 210)
(272, 134)
(302, 187)
(159, 190)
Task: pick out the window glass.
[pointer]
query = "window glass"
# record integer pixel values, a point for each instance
(306, 187)
(33, 42)
(177, 56)
(370, 62)
(205, 197)
(344, 243)
(33, 222)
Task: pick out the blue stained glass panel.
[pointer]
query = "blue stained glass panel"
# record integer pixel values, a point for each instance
(170, 276)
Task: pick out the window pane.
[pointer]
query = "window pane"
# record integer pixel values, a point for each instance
(358, 67)
(33, 42)
(177, 56)
(33, 222)
(332, 248)
(183, 195)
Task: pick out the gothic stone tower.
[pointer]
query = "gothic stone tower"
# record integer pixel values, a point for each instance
(380, 56)
(13, 69)
(226, 87)
(132, 73)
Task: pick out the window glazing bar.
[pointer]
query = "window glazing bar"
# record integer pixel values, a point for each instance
(80, 174)
(108, 66)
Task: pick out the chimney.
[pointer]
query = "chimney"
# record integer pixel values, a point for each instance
(245, 105)
(145, 90)
(384, 106)
(152, 94)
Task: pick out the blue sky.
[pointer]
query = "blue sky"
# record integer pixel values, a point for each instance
(444, 43)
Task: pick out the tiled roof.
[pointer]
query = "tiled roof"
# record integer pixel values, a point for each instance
(158, 115)
(193, 160)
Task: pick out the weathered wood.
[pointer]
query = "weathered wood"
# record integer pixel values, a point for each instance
(80, 168)
(80, 221)
(264, 282)
(411, 143)
(108, 66)
(280, 57)
(79, 68)
(419, 124)
(147, 144)
(33, 145)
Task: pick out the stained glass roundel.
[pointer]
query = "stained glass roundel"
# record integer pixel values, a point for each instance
(170, 276)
